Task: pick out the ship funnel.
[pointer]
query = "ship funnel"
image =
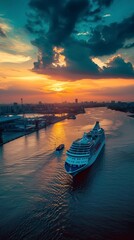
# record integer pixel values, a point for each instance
(97, 126)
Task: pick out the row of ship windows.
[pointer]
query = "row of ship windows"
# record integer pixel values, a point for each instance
(74, 165)
(81, 146)
(74, 148)
(78, 158)
(78, 163)
(79, 151)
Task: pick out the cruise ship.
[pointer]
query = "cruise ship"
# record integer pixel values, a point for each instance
(84, 151)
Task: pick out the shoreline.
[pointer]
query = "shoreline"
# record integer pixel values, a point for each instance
(131, 115)
(11, 136)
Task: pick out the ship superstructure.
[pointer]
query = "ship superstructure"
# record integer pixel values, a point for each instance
(84, 151)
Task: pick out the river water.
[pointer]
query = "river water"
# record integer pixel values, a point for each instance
(38, 200)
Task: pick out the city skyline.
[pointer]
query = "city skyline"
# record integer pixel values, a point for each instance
(55, 51)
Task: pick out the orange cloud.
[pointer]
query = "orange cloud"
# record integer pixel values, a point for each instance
(17, 82)
(11, 58)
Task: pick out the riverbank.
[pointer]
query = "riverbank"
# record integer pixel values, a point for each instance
(35, 190)
(131, 115)
(9, 136)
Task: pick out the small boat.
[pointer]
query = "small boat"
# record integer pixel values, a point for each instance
(72, 116)
(60, 147)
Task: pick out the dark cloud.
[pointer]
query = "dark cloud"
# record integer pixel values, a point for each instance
(117, 67)
(107, 40)
(96, 7)
(61, 17)
(130, 45)
(54, 24)
(78, 63)
(70, 73)
(2, 33)
(46, 49)
(106, 3)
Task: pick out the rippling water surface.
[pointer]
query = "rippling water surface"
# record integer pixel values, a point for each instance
(38, 200)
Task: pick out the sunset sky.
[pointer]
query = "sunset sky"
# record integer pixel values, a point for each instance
(59, 50)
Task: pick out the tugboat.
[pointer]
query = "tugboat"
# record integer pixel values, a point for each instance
(60, 147)
(71, 116)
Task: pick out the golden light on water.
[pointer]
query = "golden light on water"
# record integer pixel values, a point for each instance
(58, 130)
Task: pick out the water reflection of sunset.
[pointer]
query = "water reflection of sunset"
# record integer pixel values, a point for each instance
(107, 124)
(58, 132)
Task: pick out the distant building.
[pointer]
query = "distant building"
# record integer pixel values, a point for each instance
(76, 100)
(40, 103)
(9, 122)
(112, 102)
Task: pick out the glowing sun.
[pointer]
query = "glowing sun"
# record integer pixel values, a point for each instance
(57, 87)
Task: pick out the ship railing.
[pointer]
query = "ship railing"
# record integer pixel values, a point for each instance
(77, 154)
(80, 149)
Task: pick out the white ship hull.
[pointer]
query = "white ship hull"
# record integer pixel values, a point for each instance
(84, 151)
(90, 162)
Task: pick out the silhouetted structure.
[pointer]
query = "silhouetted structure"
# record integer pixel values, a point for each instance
(122, 106)
(1, 138)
